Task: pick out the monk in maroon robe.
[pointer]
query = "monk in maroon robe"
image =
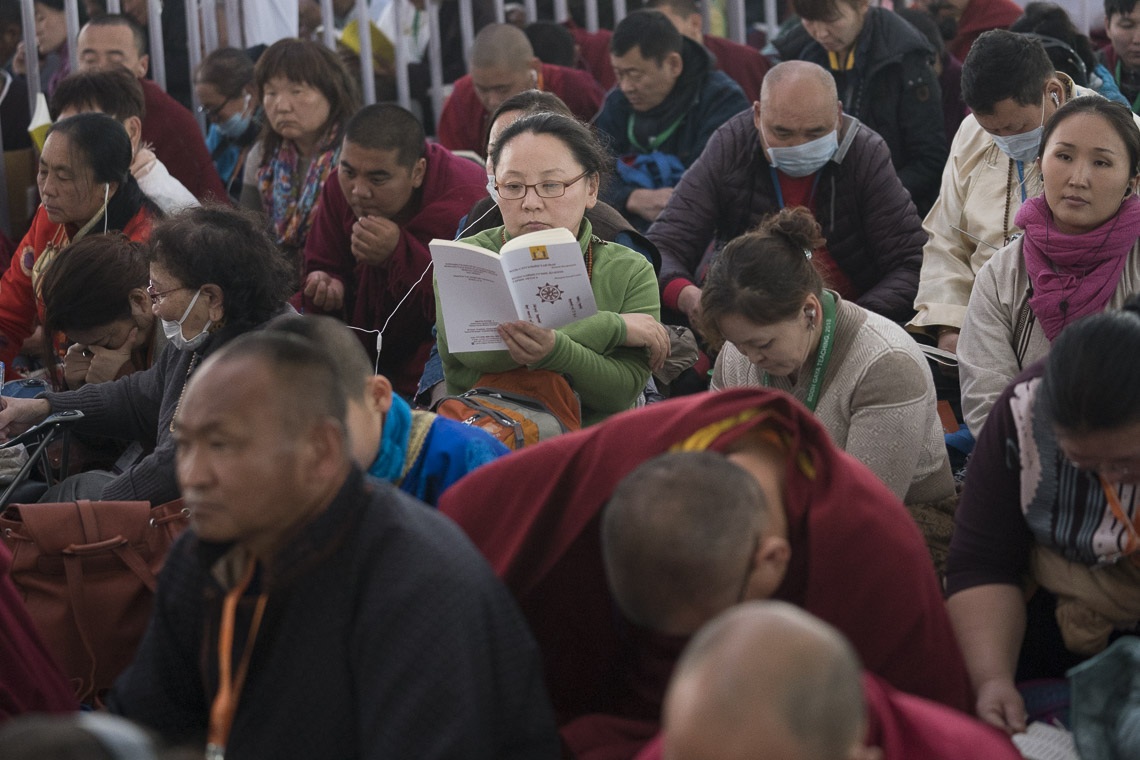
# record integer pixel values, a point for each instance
(856, 558)
(768, 680)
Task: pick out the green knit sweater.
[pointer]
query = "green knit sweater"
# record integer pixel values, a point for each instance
(606, 375)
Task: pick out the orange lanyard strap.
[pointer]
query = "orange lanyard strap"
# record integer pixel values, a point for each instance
(229, 687)
(1118, 512)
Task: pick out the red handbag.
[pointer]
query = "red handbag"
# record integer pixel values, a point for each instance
(87, 571)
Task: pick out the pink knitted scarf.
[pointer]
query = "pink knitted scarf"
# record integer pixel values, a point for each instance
(1074, 275)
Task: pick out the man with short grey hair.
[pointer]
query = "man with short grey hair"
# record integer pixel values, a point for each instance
(310, 612)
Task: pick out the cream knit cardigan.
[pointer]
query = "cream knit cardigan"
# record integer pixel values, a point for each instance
(878, 402)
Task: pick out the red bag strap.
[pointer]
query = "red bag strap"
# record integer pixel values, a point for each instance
(73, 568)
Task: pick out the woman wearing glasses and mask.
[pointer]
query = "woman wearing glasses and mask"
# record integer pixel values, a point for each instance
(224, 86)
(202, 301)
(547, 170)
(1044, 566)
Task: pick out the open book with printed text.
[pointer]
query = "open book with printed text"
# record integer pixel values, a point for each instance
(539, 278)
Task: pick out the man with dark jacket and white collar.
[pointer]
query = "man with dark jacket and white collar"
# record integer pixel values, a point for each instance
(881, 66)
(668, 102)
(797, 148)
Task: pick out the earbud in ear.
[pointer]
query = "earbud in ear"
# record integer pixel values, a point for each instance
(1128, 191)
(1056, 100)
(810, 313)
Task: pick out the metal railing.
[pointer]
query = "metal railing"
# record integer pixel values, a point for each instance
(203, 36)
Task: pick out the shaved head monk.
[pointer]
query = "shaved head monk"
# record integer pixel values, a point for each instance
(504, 64)
(814, 528)
(690, 534)
(767, 679)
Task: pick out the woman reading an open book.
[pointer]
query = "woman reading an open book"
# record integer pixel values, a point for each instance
(548, 169)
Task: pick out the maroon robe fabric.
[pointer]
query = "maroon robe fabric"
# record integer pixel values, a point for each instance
(30, 681)
(743, 64)
(981, 16)
(178, 142)
(906, 727)
(858, 560)
(451, 186)
(463, 123)
(594, 53)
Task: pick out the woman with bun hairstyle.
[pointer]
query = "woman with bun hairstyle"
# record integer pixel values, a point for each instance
(860, 373)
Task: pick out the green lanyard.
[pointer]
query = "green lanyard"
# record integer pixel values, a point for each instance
(826, 339)
(653, 141)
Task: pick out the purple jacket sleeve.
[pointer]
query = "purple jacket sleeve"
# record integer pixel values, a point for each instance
(685, 228)
(893, 233)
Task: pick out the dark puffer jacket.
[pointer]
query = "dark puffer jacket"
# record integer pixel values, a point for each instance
(714, 99)
(873, 232)
(893, 90)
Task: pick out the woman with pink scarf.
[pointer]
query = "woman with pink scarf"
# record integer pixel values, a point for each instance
(1078, 256)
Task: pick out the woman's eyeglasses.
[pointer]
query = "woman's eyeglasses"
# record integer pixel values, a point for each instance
(213, 114)
(156, 296)
(514, 191)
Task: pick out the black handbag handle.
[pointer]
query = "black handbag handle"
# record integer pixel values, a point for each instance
(53, 424)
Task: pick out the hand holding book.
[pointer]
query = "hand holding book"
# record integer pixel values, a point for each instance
(539, 278)
(528, 344)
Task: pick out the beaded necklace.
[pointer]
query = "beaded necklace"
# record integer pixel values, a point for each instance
(1011, 187)
(1008, 203)
(193, 363)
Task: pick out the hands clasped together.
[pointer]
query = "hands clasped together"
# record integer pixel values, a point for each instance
(374, 240)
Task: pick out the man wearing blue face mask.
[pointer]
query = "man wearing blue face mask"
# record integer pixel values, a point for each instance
(796, 148)
(1009, 84)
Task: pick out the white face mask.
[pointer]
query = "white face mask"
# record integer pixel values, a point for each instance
(806, 159)
(1025, 146)
(173, 330)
